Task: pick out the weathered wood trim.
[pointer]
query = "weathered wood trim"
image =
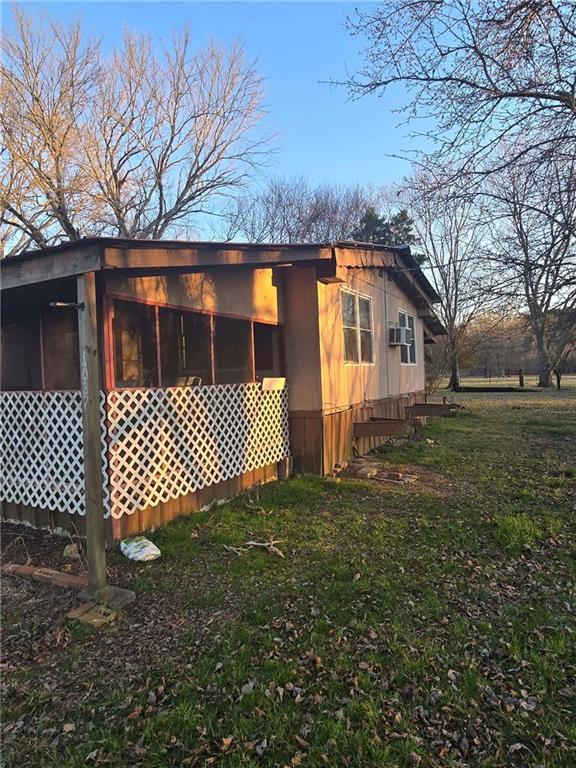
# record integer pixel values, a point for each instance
(51, 266)
(90, 389)
(128, 297)
(381, 428)
(187, 257)
(359, 257)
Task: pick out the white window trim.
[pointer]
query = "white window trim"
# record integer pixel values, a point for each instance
(416, 346)
(358, 295)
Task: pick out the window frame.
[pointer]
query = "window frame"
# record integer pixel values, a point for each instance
(415, 342)
(357, 296)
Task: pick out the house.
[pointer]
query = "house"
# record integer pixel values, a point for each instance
(149, 378)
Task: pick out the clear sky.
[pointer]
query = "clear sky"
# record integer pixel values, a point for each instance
(321, 133)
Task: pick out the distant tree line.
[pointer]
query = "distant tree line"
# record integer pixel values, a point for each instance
(291, 210)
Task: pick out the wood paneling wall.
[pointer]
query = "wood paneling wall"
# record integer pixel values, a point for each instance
(318, 442)
(140, 521)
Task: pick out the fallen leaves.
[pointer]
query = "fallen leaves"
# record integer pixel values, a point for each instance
(248, 688)
(394, 625)
(226, 743)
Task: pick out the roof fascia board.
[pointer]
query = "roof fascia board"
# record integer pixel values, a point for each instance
(407, 282)
(363, 257)
(51, 266)
(190, 258)
(368, 258)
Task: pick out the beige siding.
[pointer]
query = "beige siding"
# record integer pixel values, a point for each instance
(345, 384)
(251, 293)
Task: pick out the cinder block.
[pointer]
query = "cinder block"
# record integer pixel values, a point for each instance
(98, 616)
(75, 613)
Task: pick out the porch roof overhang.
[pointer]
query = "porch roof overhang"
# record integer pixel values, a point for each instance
(146, 257)
(153, 257)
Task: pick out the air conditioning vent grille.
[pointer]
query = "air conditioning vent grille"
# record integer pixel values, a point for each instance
(399, 336)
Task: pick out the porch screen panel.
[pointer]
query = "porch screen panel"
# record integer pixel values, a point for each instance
(232, 350)
(134, 329)
(267, 344)
(21, 365)
(185, 347)
(60, 345)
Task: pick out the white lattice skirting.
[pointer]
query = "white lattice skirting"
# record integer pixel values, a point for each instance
(42, 450)
(157, 444)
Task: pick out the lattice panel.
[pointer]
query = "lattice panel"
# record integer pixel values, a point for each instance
(165, 443)
(42, 450)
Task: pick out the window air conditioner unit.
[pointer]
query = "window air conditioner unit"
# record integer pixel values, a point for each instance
(399, 336)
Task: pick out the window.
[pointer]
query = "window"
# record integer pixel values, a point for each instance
(408, 351)
(357, 328)
(185, 347)
(134, 329)
(232, 350)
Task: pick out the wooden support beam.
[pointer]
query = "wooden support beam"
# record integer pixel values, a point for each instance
(90, 389)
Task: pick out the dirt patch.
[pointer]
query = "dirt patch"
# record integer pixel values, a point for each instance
(36, 632)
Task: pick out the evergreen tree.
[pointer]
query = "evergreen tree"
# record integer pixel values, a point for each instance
(397, 230)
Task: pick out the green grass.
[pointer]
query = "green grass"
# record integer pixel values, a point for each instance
(516, 531)
(429, 625)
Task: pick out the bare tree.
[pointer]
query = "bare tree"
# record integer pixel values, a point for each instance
(293, 210)
(534, 251)
(483, 71)
(131, 145)
(451, 228)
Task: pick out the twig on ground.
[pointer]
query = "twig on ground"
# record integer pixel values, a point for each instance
(237, 550)
(270, 545)
(249, 504)
(81, 555)
(19, 539)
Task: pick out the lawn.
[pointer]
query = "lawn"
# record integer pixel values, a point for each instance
(423, 625)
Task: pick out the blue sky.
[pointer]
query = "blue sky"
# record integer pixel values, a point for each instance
(321, 133)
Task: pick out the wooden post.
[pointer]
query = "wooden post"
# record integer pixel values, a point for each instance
(90, 388)
(521, 377)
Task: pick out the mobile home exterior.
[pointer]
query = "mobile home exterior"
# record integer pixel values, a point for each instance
(213, 362)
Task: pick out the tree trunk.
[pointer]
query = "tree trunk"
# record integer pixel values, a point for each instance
(558, 375)
(544, 367)
(454, 382)
(545, 376)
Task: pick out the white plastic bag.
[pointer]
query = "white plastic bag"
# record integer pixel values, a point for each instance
(139, 548)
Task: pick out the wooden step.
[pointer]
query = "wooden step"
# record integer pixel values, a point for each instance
(377, 427)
